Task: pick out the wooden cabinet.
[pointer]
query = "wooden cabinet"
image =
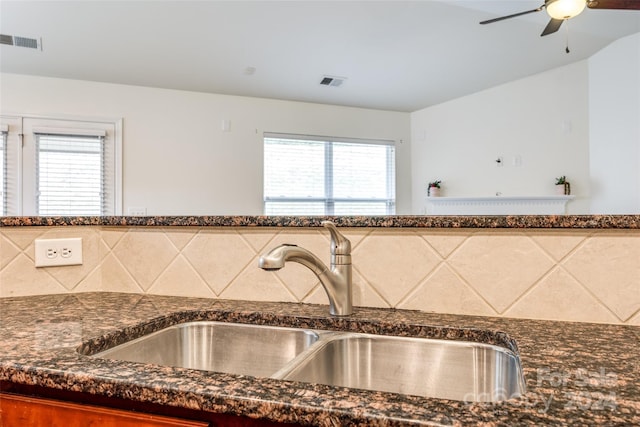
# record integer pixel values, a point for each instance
(23, 411)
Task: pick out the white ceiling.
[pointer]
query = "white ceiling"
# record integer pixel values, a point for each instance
(396, 55)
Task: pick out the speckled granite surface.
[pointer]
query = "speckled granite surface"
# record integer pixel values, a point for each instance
(576, 373)
(515, 221)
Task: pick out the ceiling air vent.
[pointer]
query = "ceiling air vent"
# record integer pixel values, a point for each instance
(332, 81)
(20, 41)
(5, 39)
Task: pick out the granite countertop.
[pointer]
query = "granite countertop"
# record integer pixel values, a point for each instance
(576, 373)
(384, 221)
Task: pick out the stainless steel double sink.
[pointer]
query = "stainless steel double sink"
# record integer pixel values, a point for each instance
(458, 370)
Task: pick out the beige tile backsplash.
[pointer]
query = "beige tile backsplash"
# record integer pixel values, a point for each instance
(574, 275)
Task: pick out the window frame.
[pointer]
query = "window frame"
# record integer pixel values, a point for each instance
(22, 166)
(13, 151)
(329, 200)
(4, 136)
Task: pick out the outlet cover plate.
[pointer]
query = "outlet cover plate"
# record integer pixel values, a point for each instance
(57, 252)
(135, 211)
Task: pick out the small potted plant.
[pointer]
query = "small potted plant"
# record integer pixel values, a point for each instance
(434, 189)
(563, 188)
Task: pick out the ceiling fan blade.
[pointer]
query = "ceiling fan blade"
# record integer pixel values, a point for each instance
(552, 27)
(489, 21)
(614, 4)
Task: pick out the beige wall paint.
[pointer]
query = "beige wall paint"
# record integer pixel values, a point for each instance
(573, 275)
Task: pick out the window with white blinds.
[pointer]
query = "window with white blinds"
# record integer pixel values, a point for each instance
(61, 167)
(70, 174)
(308, 175)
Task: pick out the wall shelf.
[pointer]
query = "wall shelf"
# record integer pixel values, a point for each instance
(498, 205)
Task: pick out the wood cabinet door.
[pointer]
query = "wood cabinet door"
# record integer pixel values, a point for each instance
(22, 411)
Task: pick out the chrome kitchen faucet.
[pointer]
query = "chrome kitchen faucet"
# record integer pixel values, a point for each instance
(335, 280)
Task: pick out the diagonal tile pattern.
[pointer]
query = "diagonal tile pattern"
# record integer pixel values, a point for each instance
(218, 256)
(558, 244)
(181, 279)
(444, 241)
(445, 291)
(392, 264)
(500, 267)
(20, 278)
(8, 251)
(560, 297)
(258, 285)
(145, 254)
(572, 275)
(609, 268)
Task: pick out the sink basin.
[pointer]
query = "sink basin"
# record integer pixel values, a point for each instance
(434, 368)
(458, 370)
(215, 346)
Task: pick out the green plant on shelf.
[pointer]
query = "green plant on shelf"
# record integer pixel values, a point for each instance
(434, 188)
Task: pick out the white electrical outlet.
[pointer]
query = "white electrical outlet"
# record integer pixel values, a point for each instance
(517, 160)
(137, 211)
(52, 252)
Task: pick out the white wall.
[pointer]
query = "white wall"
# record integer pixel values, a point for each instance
(581, 120)
(541, 120)
(176, 158)
(614, 109)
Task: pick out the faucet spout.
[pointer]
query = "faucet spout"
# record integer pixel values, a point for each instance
(276, 258)
(336, 280)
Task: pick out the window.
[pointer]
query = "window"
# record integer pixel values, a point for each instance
(62, 167)
(306, 175)
(69, 174)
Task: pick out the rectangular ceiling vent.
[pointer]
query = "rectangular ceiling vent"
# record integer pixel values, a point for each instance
(20, 41)
(5, 39)
(332, 81)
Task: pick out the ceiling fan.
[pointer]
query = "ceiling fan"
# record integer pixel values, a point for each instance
(561, 10)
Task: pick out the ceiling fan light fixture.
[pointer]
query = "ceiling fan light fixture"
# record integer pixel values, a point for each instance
(565, 9)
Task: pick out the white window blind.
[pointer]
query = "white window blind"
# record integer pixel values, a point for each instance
(70, 174)
(308, 175)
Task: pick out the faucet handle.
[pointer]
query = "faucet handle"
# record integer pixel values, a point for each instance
(340, 245)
